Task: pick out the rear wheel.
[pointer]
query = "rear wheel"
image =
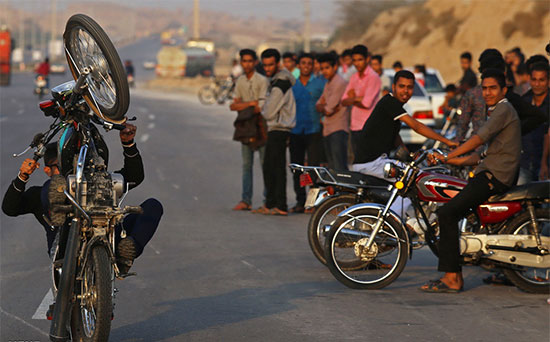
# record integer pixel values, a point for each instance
(92, 312)
(380, 265)
(322, 218)
(529, 279)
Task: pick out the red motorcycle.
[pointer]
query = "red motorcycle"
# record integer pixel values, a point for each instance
(510, 231)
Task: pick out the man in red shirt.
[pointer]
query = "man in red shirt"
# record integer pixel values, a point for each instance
(361, 93)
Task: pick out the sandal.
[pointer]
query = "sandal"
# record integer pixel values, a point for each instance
(437, 286)
(261, 210)
(242, 206)
(277, 211)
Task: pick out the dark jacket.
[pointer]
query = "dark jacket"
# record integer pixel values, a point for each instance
(18, 201)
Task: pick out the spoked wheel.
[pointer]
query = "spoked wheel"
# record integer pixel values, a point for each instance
(88, 46)
(207, 95)
(379, 265)
(321, 220)
(529, 279)
(92, 312)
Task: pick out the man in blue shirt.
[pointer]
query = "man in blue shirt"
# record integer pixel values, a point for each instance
(306, 137)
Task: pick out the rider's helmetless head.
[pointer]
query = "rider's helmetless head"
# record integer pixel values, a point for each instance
(403, 85)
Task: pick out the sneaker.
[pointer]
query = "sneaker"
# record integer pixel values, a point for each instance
(126, 253)
(242, 206)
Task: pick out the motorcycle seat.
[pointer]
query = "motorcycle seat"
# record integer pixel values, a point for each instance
(530, 191)
(357, 179)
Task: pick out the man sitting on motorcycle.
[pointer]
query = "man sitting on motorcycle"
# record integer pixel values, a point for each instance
(380, 134)
(139, 228)
(496, 172)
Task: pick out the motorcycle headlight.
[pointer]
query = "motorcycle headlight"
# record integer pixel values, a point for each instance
(391, 170)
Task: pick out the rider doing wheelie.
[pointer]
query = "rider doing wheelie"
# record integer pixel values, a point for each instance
(138, 228)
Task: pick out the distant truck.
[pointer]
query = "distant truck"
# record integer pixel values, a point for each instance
(5, 56)
(206, 44)
(175, 62)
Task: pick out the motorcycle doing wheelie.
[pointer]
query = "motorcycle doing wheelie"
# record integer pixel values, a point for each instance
(85, 200)
(509, 231)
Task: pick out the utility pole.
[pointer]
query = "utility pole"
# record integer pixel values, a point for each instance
(52, 28)
(196, 31)
(307, 26)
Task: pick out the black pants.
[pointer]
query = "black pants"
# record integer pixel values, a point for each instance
(355, 142)
(300, 144)
(143, 226)
(477, 191)
(274, 170)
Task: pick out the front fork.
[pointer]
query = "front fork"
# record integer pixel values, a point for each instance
(65, 290)
(380, 219)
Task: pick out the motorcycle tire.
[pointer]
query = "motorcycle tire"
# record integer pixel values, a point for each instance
(519, 276)
(207, 95)
(97, 284)
(107, 76)
(327, 211)
(375, 272)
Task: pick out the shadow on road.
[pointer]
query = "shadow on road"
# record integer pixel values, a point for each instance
(192, 314)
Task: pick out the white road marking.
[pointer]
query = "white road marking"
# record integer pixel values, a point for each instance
(151, 125)
(144, 138)
(152, 116)
(20, 111)
(195, 198)
(153, 248)
(176, 186)
(40, 312)
(251, 266)
(24, 322)
(160, 174)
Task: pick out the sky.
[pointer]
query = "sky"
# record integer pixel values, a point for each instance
(320, 9)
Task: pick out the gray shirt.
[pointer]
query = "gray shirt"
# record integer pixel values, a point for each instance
(502, 134)
(253, 89)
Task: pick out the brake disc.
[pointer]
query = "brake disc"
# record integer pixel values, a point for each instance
(364, 253)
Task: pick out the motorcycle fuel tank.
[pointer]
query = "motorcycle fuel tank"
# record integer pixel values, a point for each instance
(437, 187)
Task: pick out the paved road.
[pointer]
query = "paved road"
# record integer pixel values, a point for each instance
(211, 274)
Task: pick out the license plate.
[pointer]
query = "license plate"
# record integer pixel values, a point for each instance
(312, 197)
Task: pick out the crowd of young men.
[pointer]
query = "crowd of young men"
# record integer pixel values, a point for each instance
(319, 104)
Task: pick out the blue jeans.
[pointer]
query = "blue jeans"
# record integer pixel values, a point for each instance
(336, 150)
(248, 163)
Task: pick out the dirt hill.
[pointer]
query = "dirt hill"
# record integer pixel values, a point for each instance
(436, 32)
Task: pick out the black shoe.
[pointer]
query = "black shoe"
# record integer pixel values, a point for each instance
(126, 253)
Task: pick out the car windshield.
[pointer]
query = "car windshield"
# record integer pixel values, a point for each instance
(416, 92)
(432, 84)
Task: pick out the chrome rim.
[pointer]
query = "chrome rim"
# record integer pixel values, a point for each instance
(346, 249)
(88, 301)
(327, 219)
(87, 53)
(538, 276)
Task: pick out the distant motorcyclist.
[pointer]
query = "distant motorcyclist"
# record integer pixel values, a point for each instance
(138, 227)
(130, 72)
(43, 69)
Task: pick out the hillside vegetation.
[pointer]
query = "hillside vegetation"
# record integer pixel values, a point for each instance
(436, 32)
